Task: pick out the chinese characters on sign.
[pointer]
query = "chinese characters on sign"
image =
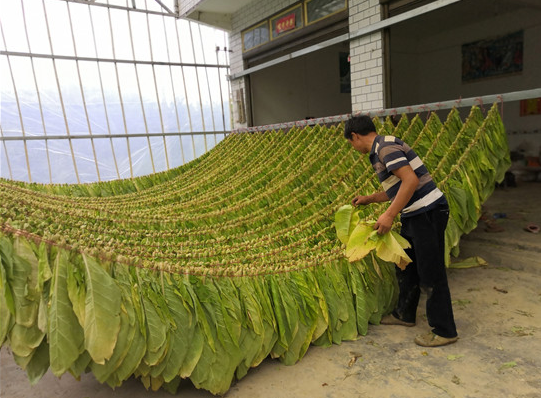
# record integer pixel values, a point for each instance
(292, 19)
(285, 23)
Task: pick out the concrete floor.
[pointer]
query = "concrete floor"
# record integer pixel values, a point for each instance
(497, 310)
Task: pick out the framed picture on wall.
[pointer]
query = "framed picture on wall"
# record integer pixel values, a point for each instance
(530, 106)
(492, 57)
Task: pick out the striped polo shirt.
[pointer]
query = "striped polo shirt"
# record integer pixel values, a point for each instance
(390, 153)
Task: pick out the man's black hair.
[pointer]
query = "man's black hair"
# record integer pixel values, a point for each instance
(361, 125)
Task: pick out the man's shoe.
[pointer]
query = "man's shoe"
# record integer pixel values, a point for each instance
(392, 320)
(433, 340)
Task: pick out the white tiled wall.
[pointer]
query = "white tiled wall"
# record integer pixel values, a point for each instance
(249, 15)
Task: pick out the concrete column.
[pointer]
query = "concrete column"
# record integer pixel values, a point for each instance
(366, 57)
(238, 86)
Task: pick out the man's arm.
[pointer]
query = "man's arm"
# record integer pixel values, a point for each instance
(377, 197)
(405, 192)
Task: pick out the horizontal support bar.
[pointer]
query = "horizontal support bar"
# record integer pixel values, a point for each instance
(95, 136)
(97, 4)
(119, 61)
(463, 102)
(433, 106)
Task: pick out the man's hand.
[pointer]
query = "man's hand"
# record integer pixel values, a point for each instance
(384, 223)
(377, 197)
(360, 200)
(405, 192)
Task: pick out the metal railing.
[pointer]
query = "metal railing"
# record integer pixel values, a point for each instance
(419, 108)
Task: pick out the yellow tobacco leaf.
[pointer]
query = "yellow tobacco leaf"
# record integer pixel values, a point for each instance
(361, 242)
(390, 247)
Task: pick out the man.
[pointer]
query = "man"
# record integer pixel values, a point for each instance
(424, 214)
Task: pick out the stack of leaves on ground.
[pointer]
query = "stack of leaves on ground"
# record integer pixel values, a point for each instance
(203, 271)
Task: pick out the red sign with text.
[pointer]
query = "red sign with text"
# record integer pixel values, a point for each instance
(285, 23)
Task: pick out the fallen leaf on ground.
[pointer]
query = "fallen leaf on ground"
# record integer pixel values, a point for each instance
(372, 343)
(521, 331)
(500, 290)
(353, 359)
(470, 262)
(508, 365)
(524, 313)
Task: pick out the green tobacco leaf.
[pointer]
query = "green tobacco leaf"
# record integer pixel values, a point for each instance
(286, 315)
(124, 348)
(65, 334)
(23, 340)
(137, 343)
(44, 270)
(469, 262)
(80, 365)
(212, 371)
(201, 317)
(77, 291)
(25, 305)
(181, 335)
(39, 364)
(6, 320)
(157, 337)
(251, 344)
(364, 297)
(6, 299)
(6, 273)
(307, 309)
(43, 309)
(345, 220)
(23, 249)
(193, 354)
(125, 338)
(102, 312)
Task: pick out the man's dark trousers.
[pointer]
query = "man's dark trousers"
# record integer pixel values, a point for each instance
(426, 234)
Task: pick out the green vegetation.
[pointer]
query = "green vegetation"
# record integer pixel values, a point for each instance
(203, 271)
